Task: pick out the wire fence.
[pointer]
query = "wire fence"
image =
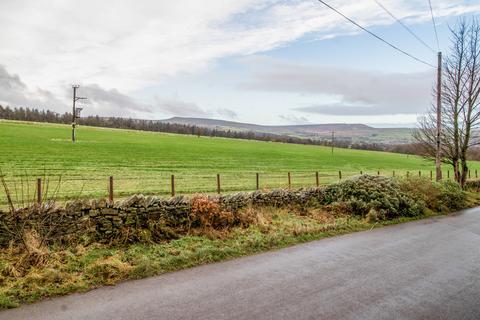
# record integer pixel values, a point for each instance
(28, 189)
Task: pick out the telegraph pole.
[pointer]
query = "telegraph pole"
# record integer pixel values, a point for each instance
(438, 156)
(333, 140)
(75, 110)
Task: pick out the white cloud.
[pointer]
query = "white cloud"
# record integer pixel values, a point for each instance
(349, 91)
(15, 92)
(227, 113)
(110, 102)
(176, 107)
(123, 46)
(293, 119)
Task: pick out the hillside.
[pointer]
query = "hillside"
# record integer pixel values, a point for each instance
(343, 131)
(143, 161)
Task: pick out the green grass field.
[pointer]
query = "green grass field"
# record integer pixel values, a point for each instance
(142, 162)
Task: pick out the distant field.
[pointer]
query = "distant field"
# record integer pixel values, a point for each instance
(143, 161)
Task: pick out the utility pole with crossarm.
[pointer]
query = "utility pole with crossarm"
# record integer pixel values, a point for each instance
(76, 111)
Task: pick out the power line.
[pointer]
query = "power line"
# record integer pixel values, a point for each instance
(434, 24)
(404, 25)
(376, 36)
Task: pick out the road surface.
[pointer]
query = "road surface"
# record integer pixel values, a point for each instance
(428, 269)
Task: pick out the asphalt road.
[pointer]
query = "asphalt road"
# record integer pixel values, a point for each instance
(428, 269)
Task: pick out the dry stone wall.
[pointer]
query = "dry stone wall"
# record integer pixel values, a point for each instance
(104, 222)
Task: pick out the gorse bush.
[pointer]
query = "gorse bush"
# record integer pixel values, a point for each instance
(473, 185)
(452, 195)
(381, 195)
(437, 196)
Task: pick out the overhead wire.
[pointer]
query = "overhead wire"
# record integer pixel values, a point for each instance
(404, 26)
(375, 35)
(434, 24)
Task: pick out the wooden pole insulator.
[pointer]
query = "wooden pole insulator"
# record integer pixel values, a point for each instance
(39, 191)
(317, 179)
(110, 189)
(340, 175)
(218, 184)
(258, 181)
(289, 181)
(173, 185)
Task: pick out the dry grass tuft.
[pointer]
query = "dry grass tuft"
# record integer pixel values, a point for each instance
(35, 253)
(108, 271)
(322, 216)
(260, 217)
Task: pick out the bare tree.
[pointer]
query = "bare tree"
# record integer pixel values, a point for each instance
(460, 102)
(471, 111)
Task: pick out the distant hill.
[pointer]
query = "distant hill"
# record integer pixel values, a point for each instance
(343, 131)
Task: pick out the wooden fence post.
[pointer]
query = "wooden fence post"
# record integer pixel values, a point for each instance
(39, 191)
(408, 174)
(431, 175)
(289, 181)
(419, 173)
(476, 173)
(7, 193)
(258, 181)
(468, 173)
(361, 172)
(378, 172)
(173, 185)
(110, 189)
(394, 173)
(317, 179)
(448, 174)
(218, 183)
(340, 175)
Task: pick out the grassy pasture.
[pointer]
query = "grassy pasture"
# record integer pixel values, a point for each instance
(143, 161)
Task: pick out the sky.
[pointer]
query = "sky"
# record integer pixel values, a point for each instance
(257, 61)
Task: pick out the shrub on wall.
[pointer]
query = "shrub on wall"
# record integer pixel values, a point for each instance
(438, 196)
(452, 195)
(381, 195)
(473, 185)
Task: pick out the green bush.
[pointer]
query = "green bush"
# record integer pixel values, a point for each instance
(473, 185)
(452, 195)
(441, 196)
(384, 196)
(423, 190)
